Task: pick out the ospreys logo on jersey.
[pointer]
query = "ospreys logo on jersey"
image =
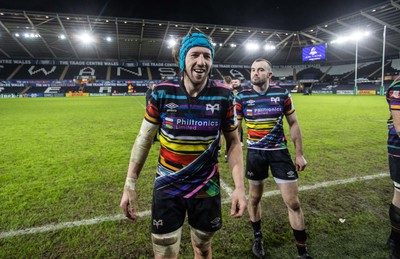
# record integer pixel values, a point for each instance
(212, 108)
(275, 99)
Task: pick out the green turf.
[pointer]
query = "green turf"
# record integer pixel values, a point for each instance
(65, 159)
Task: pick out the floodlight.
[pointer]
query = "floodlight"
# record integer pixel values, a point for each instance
(86, 38)
(171, 42)
(268, 47)
(252, 46)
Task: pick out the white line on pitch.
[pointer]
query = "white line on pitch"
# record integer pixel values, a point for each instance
(226, 188)
(140, 102)
(330, 183)
(71, 224)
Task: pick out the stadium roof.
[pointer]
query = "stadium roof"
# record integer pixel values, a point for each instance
(37, 35)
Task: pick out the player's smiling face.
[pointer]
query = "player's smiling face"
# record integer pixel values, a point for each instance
(198, 63)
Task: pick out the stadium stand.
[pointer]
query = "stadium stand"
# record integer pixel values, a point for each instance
(310, 73)
(100, 72)
(56, 80)
(163, 73)
(91, 89)
(339, 70)
(239, 72)
(12, 89)
(36, 90)
(395, 64)
(283, 71)
(6, 71)
(128, 73)
(369, 69)
(38, 72)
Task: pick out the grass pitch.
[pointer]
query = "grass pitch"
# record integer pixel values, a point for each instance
(65, 160)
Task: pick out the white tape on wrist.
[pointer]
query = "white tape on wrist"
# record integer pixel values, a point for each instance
(130, 183)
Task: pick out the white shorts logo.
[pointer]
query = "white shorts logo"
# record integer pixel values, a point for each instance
(290, 174)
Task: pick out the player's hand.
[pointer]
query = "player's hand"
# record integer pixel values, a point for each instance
(300, 163)
(128, 204)
(239, 203)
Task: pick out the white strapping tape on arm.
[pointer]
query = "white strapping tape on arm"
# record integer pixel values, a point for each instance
(143, 142)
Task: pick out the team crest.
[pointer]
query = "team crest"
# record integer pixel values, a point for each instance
(157, 223)
(212, 108)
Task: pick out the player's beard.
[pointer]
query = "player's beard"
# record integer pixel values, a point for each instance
(198, 80)
(259, 81)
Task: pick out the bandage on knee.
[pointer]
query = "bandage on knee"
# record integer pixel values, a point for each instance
(200, 237)
(167, 245)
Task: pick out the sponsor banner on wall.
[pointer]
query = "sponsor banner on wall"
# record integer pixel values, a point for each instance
(119, 94)
(33, 95)
(104, 63)
(97, 94)
(8, 96)
(366, 92)
(77, 95)
(344, 92)
(54, 95)
(322, 92)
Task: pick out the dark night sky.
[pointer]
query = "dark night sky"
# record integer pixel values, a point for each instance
(273, 14)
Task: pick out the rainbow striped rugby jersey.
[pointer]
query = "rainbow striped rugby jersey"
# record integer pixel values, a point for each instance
(190, 129)
(263, 114)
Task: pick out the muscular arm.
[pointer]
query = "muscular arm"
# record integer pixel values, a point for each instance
(139, 153)
(295, 134)
(235, 161)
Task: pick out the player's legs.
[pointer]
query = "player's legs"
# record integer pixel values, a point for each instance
(205, 218)
(289, 191)
(201, 243)
(256, 173)
(285, 175)
(256, 189)
(167, 217)
(166, 245)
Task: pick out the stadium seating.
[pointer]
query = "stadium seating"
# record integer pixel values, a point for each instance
(163, 73)
(6, 70)
(59, 79)
(241, 73)
(38, 72)
(100, 72)
(128, 73)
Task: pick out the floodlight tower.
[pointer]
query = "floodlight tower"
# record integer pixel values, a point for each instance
(354, 37)
(382, 88)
